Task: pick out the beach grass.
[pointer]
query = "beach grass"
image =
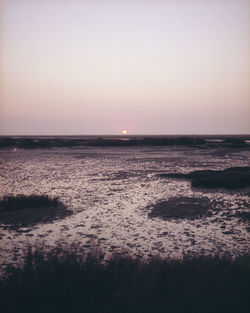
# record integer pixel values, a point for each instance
(66, 282)
(181, 207)
(245, 216)
(28, 210)
(20, 202)
(229, 178)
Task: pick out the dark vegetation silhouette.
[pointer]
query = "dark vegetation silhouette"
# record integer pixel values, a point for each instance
(27, 210)
(230, 178)
(19, 202)
(64, 281)
(235, 141)
(128, 141)
(245, 216)
(182, 207)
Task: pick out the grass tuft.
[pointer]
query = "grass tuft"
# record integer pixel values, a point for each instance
(19, 202)
(23, 211)
(245, 216)
(182, 207)
(67, 282)
(230, 178)
(233, 179)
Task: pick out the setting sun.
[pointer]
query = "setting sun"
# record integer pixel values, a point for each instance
(124, 132)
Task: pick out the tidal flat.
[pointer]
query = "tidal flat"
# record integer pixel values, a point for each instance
(110, 192)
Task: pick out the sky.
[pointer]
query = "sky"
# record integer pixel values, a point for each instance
(81, 67)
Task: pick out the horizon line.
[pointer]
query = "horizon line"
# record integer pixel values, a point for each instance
(122, 135)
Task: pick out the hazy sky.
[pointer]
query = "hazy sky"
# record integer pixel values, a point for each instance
(101, 66)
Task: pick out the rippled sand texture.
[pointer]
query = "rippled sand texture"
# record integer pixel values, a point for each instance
(110, 191)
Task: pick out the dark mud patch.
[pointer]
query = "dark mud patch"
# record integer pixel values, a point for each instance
(183, 208)
(245, 216)
(120, 175)
(123, 175)
(230, 178)
(25, 211)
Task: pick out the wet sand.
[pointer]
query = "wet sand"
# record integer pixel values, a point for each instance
(111, 191)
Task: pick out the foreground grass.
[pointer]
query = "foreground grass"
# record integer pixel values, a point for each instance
(65, 282)
(27, 210)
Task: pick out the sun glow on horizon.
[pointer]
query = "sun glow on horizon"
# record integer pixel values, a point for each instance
(177, 67)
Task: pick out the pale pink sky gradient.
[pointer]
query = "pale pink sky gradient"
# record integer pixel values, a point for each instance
(98, 67)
